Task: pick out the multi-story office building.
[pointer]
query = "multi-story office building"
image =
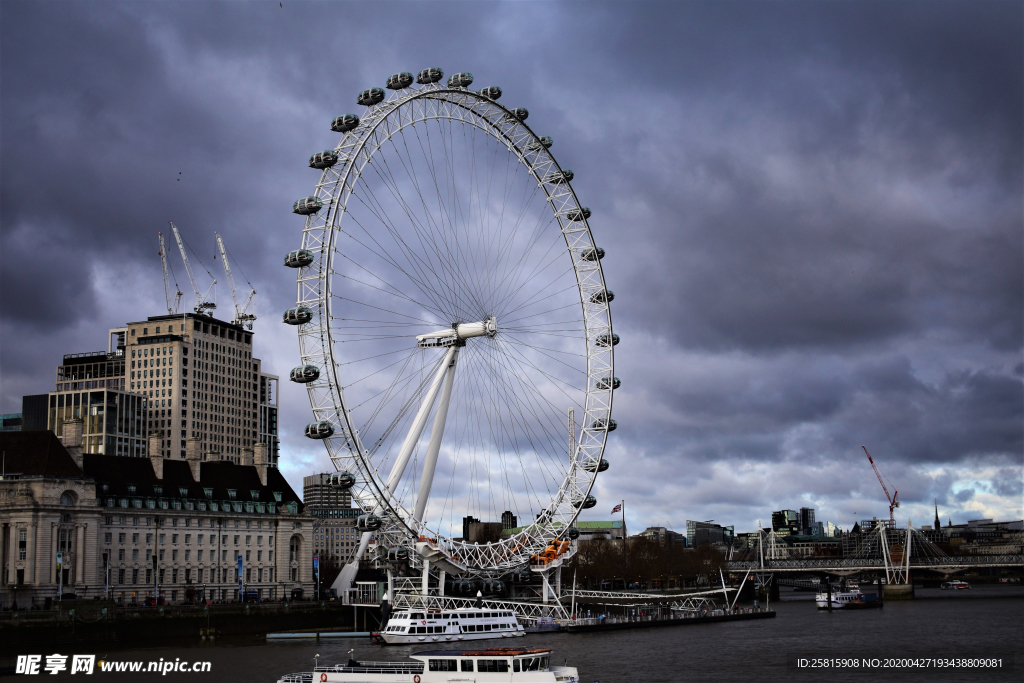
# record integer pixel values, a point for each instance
(179, 377)
(699, 533)
(334, 532)
(10, 422)
(786, 522)
(663, 536)
(125, 527)
(807, 521)
(508, 520)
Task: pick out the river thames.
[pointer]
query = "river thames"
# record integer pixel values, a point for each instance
(986, 622)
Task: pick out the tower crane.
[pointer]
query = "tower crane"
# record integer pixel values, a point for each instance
(894, 498)
(172, 307)
(202, 300)
(241, 316)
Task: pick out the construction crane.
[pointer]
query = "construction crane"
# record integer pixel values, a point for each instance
(241, 316)
(172, 306)
(202, 300)
(894, 501)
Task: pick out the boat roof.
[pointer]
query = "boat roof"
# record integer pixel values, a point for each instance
(489, 652)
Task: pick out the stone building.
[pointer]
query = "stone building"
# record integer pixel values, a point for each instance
(109, 517)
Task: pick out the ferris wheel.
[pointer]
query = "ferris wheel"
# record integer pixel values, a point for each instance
(448, 275)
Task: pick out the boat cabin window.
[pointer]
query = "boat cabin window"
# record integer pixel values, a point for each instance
(492, 665)
(515, 666)
(442, 665)
(416, 616)
(467, 665)
(535, 664)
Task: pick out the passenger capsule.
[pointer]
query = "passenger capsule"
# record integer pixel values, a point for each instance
(319, 430)
(605, 296)
(461, 80)
(345, 123)
(595, 254)
(606, 425)
(368, 522)
(559, 177)
(491, 91)
(603, 340)
(298, 259)
(573, 533)
(370, 97)
(304, 374)
(521, 113)
(324, 159)
(609, 383)
(343, 480)
(399, 81)
(578, 214)
(524, 576)
(307, 206)
(596, 466)
(494, 586)
(297, 316)
(543, 142)
(585, 503)
(427, 76)
(398, 555)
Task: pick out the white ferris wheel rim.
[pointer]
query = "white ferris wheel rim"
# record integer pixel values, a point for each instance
(356, 149)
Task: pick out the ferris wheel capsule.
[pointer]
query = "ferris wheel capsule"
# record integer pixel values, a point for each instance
(521, 113)
(299, 258)
(595, 254)
(559, 177)
(492, 91)
(399, 81)
(345, 123)
(596, 466)
(297, 316)
(398, 555)
(543, 142)
(324, 159)
(585, 503)
(319, 430)
(573, 533)
(576, 215)
(605, 340)
(343, 480)
(609, 383)
(307, 206)
(605, 425)
(370, 97)
(461, 80)
(304, 374)
(368, 522)
(431, 75)
(605, 296)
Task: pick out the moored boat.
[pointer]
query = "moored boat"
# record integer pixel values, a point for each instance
(473, 623)
(852, 599)
(955, 585)
(440, 666)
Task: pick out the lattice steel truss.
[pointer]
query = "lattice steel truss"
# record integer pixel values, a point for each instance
(386, 121)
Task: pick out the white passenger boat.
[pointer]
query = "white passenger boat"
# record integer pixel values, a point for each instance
(509, 665)
(473, 623)
(955, 585)
(839, 599)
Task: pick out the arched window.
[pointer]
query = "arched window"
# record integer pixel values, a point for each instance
(67, 498)
(294, 548)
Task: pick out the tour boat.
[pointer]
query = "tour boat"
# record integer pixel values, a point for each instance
(841, 600)
(955, 585)
(440, 666)
(472, 623)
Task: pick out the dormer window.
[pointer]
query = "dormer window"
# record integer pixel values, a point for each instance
(183, 491)
(277, 496)
(158, 490)
(231, 493)
(208, 493)
(105, 488)
(131, 489)
(255, 494)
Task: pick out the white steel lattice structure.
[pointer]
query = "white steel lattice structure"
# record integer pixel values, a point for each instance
(447, 268)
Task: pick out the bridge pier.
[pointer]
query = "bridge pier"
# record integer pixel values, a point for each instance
(898, 591)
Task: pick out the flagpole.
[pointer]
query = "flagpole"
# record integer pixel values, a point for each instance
(623, 505)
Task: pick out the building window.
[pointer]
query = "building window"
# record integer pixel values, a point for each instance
(22, 545)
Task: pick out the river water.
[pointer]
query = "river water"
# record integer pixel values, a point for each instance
(987, 621)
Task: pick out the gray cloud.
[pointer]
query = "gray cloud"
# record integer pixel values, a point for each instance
(812, 213)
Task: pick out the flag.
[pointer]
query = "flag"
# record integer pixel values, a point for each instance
(616, 508)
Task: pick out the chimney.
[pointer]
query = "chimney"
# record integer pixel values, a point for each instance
(194, 455)
(259, 459)
(247, 457)
(71, 437)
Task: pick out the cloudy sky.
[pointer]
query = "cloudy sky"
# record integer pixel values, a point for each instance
(812, 212)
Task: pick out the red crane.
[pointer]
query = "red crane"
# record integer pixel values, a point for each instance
(894, 501)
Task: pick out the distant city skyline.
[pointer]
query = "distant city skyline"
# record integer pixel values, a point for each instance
(814, 243)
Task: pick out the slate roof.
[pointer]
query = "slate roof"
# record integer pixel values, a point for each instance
(36, 454)
(118, 472)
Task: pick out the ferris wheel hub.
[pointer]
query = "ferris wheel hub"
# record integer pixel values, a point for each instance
(458, 333)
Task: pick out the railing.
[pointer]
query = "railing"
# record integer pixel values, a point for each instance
(951, 562)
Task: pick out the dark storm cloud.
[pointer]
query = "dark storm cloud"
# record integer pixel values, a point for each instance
(812, 212)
